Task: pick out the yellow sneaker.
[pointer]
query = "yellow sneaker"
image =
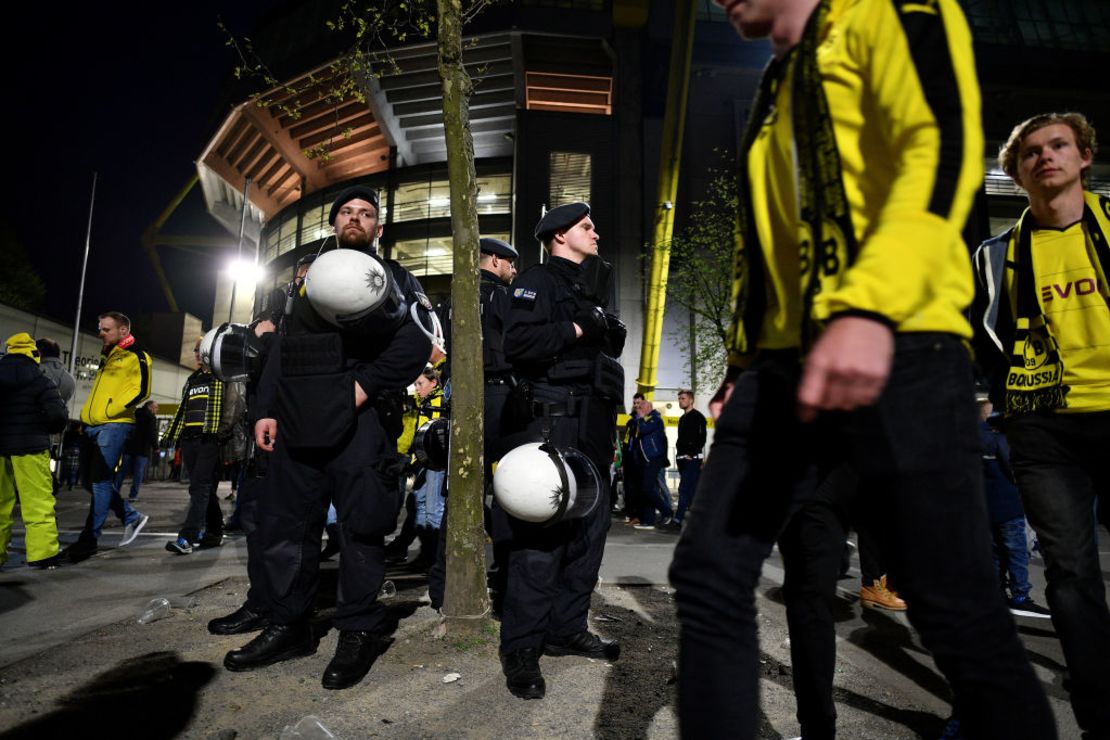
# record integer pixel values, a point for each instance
(881, 597)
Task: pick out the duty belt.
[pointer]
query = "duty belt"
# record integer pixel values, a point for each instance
(570, 407)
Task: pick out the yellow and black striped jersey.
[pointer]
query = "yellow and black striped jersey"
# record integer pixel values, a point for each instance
(904, 101)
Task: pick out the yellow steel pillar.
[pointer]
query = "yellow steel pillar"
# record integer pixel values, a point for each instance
(149, 241)
(674, 119)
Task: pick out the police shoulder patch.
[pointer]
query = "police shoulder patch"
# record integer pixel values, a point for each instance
(524, 294)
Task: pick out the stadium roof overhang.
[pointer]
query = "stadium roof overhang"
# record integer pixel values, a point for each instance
(335, 123)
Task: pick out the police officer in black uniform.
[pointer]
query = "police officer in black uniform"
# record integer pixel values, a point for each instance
(564, 349)
(318, 413)
(496, 269)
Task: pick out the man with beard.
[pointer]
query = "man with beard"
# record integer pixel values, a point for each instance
(564, 350)
(122, 382)
(319, 413)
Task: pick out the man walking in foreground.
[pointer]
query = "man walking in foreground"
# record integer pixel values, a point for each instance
(858, 168)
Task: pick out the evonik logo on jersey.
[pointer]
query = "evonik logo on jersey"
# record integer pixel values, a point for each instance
(1085, 286)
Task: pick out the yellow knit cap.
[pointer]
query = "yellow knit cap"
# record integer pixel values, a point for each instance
(23, 344)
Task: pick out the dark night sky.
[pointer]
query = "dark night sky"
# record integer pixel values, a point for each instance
(132, 91)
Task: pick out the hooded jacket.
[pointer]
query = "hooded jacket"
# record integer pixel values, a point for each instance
(30, 407)
(52, 368)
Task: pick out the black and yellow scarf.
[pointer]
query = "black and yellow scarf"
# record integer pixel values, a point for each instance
(824, 214)
(1035, 380)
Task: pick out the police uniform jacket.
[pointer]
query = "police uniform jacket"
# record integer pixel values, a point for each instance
(307, 384)
(494, 297)
(540, 339)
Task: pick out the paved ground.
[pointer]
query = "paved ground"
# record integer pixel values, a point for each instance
(72, 653)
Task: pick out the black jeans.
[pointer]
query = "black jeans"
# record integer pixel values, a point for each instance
(916, 453)
(1062, 475)
(201, 456)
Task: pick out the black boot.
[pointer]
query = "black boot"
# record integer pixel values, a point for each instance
(243, 619)
(586, 644)
(354, 654)
(277, 642)
(429, 544)
(522, 673)
(332, 548)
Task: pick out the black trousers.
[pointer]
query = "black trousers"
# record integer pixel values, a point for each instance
(1060, 464)
(250, 492)
(201, 456)
(359, 476)
(916, 453)
(552, 570)
(811, 546)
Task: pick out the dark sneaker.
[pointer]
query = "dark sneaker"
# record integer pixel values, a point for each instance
(131, 531)
(586, 644)
(180, 546)
(49, 563)
(240, 621)
(522, 674)
(276, 643)
(1024, 606)
(354, 654)
(209, 540)
(79, 551)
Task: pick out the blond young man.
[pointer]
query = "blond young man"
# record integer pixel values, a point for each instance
(1043, 322)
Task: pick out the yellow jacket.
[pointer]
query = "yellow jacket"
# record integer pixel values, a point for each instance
(904, 103)
(122, 382)
(414, 417)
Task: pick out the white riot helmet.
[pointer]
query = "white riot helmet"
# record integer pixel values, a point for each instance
(543, 484)
(206, 346)
(236, 354)
(354, 290)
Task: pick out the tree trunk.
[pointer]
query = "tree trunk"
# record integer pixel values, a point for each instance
(466, 602)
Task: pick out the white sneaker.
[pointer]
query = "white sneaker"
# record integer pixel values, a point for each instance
(131, 531)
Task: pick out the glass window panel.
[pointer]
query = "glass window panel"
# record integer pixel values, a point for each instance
(416, 201)
(269, 244)
(287, 240)
(495, 194)
(430, 256)
(570, 178)
(314, 224)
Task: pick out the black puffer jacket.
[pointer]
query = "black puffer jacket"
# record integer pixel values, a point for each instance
(30, 407)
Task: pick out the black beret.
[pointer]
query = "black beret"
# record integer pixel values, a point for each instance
(355, 191)
(489, 245)
(308, 259)
(561, 219)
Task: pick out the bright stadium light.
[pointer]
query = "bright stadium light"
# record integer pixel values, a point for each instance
(245, 272)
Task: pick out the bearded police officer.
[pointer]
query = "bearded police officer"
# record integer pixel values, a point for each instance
(349, 340)
(563, 349)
